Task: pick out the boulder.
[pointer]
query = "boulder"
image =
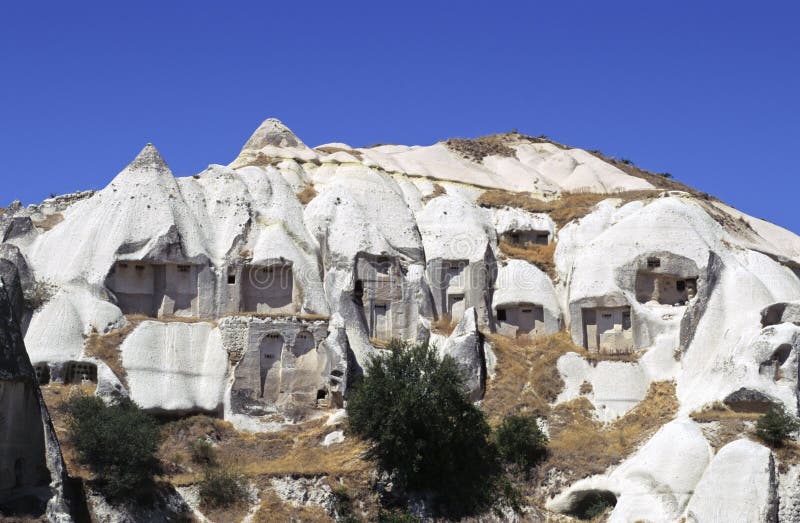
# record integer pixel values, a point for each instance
(739, 485)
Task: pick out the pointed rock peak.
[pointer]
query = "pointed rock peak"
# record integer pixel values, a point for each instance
(273, 133)
(149, 158)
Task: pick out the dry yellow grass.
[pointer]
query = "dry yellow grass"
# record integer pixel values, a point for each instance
(55, 396)
(294, 451)
(526, 377)
(307, 194)
(105, 347)
(444, 325)
(581, 446)
(718, 411)
(539, 255)
(331, 149)
(273, 509)
(379, 343)
(476, 149)
(570, 206)
(50, 221)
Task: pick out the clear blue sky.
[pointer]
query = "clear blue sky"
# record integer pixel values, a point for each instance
(709, 93)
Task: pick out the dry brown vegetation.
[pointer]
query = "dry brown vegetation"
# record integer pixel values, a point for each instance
(49, 221)
(331, 149)
(294, 451)
(273, 508)
(722, 425)
(660, 181)
(581, 446)
(105, 347)
(307, 194)
(539, 255)
(476, 149)
(438, 190)
(445, 325)
(55, 396)
(379, 343)
(527, 380)
(570, 206)
(586, 388)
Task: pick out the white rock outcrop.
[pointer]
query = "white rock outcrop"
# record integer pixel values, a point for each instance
(739, 485)
(262, 286)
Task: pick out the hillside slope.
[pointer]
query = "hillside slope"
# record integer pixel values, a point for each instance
(606, 299)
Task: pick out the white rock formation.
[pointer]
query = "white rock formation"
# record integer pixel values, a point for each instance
(320, 255)
(175, 366)
(739, 485)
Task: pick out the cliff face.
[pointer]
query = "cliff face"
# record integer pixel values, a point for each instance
(255, 289)
(31, 466)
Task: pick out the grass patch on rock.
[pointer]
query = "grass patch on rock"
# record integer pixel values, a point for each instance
(539, 255)
(581, 446)
(307, 194)
(568, 207)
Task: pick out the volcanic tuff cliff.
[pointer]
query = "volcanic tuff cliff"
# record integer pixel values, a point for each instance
(256, 290)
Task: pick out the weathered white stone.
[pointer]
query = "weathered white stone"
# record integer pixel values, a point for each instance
(175, 366)
(739, 485)
(465, 346)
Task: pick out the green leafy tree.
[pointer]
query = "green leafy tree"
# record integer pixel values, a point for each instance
(118, 443)
(424, 430)
(520, 441)
(776, 425)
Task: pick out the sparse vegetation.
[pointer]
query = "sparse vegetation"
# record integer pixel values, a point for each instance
(776, 425)
(581, 446)
(118, 443)
(38, 294)
(397, 516)
(594, 505)
(570, 206)
(49, 221)
(520, 441)
(586, 388)
(423, 429)
(476, 149)
(221, 488)
(540, 255)
(438, 190)
(203, 452)
(445, 325)
(105, 347)
(331, 149)
(307, 194)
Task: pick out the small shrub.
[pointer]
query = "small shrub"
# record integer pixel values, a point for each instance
(520, 441)
(586, 388)
(38, 294)
(397, 516)
(221, 488)
(665, 175)
(118, 443)
(776, 425)
(203, 452)
(343, 506)
(596, 505)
